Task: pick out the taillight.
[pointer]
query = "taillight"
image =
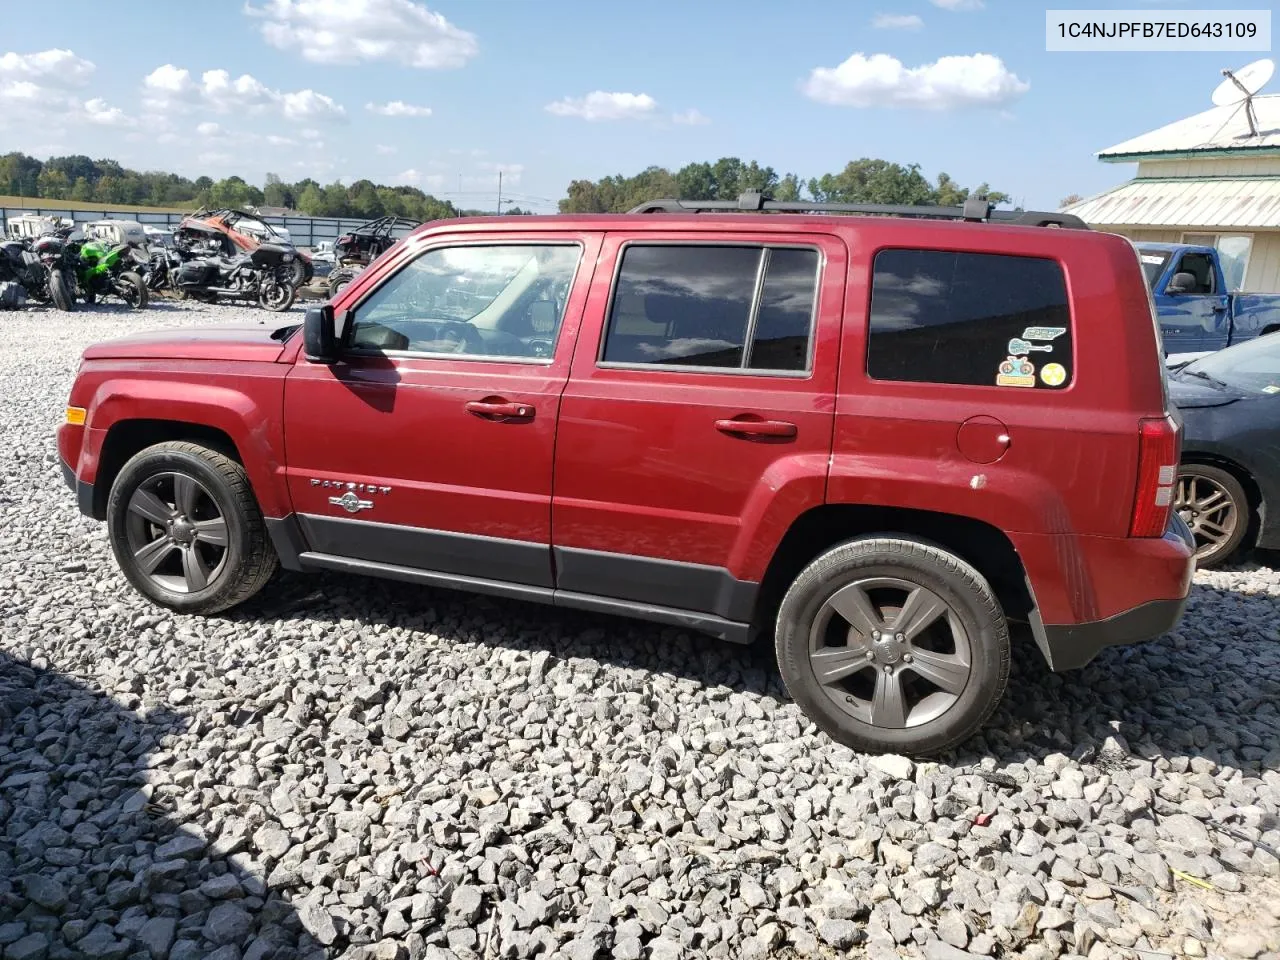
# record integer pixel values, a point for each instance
(1157, 473)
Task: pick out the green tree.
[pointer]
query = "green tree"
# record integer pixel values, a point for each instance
(53, 184)
(277, 193)
(873, 181)
(19, 174)
(82, 190)
(311, 200)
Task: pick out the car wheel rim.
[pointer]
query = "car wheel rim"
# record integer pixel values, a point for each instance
(1207, 508)
(890, 653)
(176, 532)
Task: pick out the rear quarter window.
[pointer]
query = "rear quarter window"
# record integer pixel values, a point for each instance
(976, 319)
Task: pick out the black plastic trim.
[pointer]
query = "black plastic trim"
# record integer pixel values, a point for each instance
(668, 584)
(705, 623)
(1074, 645)
(464, 555)
(82, 490)
(286, 536)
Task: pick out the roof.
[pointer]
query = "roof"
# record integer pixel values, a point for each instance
(1252, 202)
(1214, 131)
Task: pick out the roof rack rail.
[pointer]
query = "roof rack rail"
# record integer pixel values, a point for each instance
(975, 210)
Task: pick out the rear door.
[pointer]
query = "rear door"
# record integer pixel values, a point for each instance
(429, 444)
(1199, 320)
(697, 420)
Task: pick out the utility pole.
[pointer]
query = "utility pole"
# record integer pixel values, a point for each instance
(499, 193)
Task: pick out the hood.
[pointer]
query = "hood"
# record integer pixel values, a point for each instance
(258, 342)
(1188, 393)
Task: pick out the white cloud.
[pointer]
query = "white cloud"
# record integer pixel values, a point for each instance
(219, 92)
(384, 150)
(397, 108)
(408, 177)
(358, 31)
(208, 129)
(599, 105)
(278, 141)
(52, 68)
(100, 112)
(958, 4)
(949, 82)
(310, 133)
(690, 118)
(896, 21)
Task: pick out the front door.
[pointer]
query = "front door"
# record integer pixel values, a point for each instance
(698, 418)
(428, 446)
(1199, 319)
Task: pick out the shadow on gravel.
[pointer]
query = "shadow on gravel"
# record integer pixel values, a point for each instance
(1210, 689)
(92, 867)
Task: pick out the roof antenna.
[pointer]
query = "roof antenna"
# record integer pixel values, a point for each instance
(1240, 86)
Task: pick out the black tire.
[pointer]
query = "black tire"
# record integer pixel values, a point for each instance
(132, 289)
(883, 567)
(61, 292)
(336, 284)
(232, 572)
(299, 273)
(277, 297)
(1216, 508)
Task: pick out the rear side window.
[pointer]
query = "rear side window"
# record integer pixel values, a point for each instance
(704, 306)
(969, 318)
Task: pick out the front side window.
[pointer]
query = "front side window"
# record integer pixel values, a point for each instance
(1200, 266)
(503, 301)
(744, 307)
(969, 318)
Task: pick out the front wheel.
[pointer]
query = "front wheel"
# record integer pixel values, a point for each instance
(132, 289)
(1216, 508)
(186, 529)
(61, 291)
(276, 296)
(893, 645)
(299, 274)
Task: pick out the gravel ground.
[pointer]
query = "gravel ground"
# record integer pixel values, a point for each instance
(363, 769)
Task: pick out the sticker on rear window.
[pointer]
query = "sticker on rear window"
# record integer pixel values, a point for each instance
(1271, 388)
(1017, 346)
(1148, 258)
(1043, 333)
(1053, 374)
(1016, 372)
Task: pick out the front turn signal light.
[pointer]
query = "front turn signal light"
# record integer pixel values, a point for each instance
(76, 415)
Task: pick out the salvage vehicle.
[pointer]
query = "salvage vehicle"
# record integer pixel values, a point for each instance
(106, 269)
(264, 275)
(235, 232)
(22, 276)
(354, 251)
(1228, 488)
(29, 226)
(117, 232)
(60, 261)
(1198, 314)
(875, 440)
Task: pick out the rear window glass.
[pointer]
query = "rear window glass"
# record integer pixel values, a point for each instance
(1153, 265)
(697, 306)
(969, 318)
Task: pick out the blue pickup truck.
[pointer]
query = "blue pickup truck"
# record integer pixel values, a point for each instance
(1197, 312)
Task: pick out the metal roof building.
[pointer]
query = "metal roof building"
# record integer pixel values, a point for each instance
(1206, 179)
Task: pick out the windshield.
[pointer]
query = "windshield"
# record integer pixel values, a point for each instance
(1153, 264)
(1251, 367)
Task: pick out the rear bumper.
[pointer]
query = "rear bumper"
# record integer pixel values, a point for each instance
(1168, 562)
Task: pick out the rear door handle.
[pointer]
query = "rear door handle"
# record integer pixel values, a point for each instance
(757, 428)
(495, 408)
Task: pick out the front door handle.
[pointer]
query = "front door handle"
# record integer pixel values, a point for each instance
(771, 429)
(495, 408)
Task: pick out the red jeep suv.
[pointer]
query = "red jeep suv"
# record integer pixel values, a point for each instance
(878, 439)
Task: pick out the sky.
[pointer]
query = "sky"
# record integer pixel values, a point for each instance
(445, 94)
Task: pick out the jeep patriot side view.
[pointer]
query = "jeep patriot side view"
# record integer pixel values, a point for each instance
(877, 439)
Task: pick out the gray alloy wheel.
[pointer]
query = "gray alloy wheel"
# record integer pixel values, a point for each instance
(889, 643)
(177, 532)
(890, 631)
(1214, 506)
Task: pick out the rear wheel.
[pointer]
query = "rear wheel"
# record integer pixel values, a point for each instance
(132, 289)
(61, 291)
(299, 272)
(893, 645)
(186, 529)
(1216, 508)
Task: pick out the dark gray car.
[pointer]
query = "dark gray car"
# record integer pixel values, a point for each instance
(1229, 482)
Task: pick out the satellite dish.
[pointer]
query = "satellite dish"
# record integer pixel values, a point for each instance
(1242, 84)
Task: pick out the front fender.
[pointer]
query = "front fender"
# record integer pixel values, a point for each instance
(248, 412)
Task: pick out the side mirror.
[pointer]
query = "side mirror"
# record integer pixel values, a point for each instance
(318, 338)
(1181, 283)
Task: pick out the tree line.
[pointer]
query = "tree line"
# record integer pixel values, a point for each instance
(861, 181)
(106, 181)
